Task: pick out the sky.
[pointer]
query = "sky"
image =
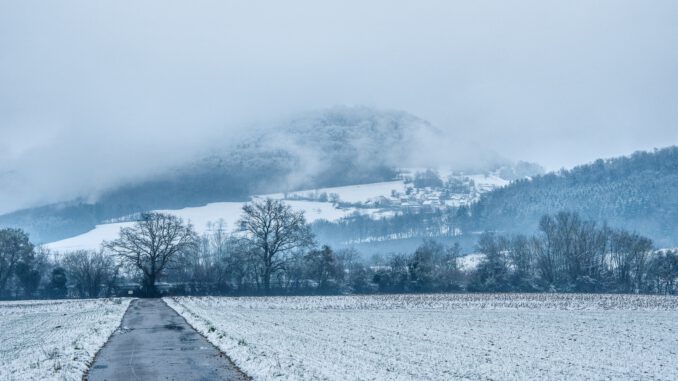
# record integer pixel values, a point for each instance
(93, 94)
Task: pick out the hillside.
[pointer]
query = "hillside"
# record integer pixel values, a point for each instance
(375, 201)
(334, 147)
(638, 192)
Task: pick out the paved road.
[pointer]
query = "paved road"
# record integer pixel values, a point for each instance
(155, 343)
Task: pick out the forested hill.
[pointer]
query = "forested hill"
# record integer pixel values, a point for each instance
(638, 192)
(338, 146)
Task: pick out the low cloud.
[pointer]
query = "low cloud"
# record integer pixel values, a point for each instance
(96, 94)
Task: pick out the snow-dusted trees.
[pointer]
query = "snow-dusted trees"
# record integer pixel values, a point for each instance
(629, 254)
(16, 251)
(220, 265)
(635, 193)
(522, 262)
(571, 251)
(568, 254)
(663, 272)
(492, 273)
(57, 287)
(394, 275)
(274, 232)
(152, 244)
(576, 255)
(90, 271)
(28, 274)
(433, 267)
(324, 268)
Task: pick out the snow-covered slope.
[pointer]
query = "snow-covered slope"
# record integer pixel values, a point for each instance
(351, 193)
(378, 200)
(201, 218)
(88, 241)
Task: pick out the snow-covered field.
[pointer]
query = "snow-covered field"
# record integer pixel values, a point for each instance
(443, 337)
(54, 340)
(227, 212)
(230, 212)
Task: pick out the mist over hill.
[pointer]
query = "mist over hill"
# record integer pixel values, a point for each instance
(358, 145)
(636, 193)
(337, 146)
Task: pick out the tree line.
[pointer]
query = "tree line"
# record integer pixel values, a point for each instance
(274, 251)
(636, 193)
(569, 254)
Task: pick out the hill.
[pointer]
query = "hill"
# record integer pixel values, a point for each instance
(638, 192)
(334, 147)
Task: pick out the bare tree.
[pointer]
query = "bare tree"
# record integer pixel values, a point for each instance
(571, 252)
(90, 270)
(275, 231)
(152, 244)
(206, 269)
(218, 244)
(243, 265)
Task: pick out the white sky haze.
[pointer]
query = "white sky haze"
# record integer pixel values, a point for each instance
(108, 91)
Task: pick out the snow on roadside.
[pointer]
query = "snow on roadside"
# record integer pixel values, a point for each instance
(55, 339)
(442, 337)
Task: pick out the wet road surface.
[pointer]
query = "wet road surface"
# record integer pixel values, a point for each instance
(155, 343)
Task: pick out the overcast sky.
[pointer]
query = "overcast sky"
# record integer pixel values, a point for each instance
(95, 92)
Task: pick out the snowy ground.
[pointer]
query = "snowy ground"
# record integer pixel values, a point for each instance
(443, 337)
(91, 240)
(470, 262)
(200, 217)
(351, 193)
(54, 340)
(230, 212)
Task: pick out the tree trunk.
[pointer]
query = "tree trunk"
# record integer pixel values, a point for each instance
(267, 280)
(150, 290)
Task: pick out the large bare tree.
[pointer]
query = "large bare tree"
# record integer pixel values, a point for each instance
(274, 231)
(152, 244)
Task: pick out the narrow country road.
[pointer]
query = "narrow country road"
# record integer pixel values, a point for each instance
(155, 343)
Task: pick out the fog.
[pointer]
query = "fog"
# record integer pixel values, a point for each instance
(93, 94)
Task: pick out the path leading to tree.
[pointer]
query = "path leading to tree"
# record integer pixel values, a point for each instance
(155, 343)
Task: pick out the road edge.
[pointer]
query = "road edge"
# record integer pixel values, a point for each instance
(85, 374)
(223, 354)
